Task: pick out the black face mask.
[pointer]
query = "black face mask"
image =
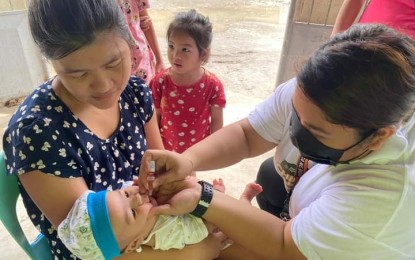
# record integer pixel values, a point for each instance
(311, 148)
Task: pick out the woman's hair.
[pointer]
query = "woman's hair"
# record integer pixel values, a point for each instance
(60, 27)
(363, 78)
(195, 25)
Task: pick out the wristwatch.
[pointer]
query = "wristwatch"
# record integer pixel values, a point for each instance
(205, 199)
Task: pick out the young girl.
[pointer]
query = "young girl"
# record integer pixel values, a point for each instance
(189, 99)
(146, 56)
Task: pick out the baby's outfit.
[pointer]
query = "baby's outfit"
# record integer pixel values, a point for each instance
(174, 232)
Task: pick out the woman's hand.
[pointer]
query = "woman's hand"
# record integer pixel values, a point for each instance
(170, 166)
(178, 197)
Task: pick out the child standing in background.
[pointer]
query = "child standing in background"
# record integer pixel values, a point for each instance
(189, 99)
(146, 57)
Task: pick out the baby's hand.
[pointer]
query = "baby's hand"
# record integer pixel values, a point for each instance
(153, 201)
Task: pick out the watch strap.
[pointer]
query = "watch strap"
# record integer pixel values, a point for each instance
(205, 199)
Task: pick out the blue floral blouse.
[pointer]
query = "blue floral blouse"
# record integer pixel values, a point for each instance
(45, 135)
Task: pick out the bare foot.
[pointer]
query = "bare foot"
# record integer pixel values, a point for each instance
(251, 190)
(219, 185)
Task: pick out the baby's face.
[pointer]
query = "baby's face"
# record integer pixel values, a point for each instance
(129, 214)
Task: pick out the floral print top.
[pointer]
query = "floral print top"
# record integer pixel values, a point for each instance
(45, 135)
(143, 59)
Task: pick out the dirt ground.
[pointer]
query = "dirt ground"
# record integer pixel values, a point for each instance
(247, 42)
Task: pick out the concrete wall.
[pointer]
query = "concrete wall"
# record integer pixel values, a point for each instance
(302, 40)
(21, 66)
(309, 24)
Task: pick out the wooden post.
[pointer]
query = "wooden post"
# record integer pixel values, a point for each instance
(317, 11)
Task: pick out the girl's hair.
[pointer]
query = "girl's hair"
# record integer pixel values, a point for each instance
(363, 78)
(196, 26)
(60, 27)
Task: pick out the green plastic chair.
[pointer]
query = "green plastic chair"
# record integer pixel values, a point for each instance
(38, 249)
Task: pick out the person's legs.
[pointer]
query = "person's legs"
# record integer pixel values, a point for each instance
(271, 199)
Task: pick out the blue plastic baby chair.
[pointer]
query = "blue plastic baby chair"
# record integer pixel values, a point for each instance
(38, 249)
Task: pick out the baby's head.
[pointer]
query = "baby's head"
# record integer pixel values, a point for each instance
(103, 224)
(197, 27)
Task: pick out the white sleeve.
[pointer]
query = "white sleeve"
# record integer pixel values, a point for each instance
(270, 118)
(347, 219)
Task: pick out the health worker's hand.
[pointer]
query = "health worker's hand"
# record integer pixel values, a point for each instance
(169, 167)
(178, 197)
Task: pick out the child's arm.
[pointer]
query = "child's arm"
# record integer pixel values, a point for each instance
(216, 117)
(158, 112)
(152, 40)
(153, 136)
(347, 15)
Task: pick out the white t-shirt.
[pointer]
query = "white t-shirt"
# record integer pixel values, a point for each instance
(363, 210)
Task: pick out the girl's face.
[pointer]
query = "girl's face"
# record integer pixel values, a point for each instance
(129, 214)
(183, 54)
(96, 74)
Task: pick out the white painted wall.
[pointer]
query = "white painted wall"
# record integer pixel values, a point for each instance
(21, 66)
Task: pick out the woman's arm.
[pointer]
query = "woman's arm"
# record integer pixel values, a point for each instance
(258, 231)
(347, 15)
(225, 147)
(262, 233)
(216, 118)
(151, 37)
(153, 137)
(208, 249)
(54, 196)
(228, 146)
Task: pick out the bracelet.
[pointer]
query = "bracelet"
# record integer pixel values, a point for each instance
(205, 199)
